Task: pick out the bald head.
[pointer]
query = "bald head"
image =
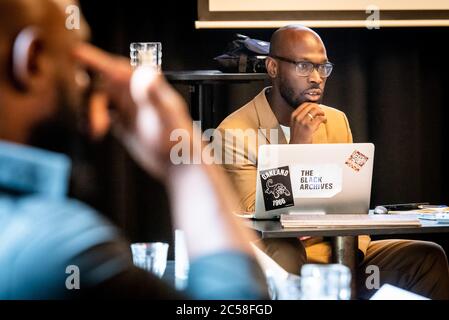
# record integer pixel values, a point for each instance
(15, 15)
(293, 38)
(296, 53)
(38, 74)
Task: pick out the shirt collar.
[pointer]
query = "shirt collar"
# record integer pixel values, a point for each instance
(286, 131)
(29, 170)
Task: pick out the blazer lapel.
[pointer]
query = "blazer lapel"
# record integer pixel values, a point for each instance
(268, 123)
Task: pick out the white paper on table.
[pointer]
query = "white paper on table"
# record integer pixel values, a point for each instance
(389, 292)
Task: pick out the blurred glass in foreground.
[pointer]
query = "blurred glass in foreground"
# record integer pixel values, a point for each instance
(325, 282)
(317, 282)
(150, 256)
(181, 260)
(288, 288)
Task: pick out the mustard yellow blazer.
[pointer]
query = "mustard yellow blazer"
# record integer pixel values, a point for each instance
(257, 116)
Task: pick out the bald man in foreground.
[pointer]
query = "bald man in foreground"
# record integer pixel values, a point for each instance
(290, 112)
(47, 240)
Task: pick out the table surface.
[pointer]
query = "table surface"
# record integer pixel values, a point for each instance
(212, 75)
(274, 229)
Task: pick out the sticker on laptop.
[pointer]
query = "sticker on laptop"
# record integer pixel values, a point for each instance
(316, 181)
(276, 188)
(356, 161)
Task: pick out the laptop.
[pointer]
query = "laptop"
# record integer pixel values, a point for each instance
(313, 179)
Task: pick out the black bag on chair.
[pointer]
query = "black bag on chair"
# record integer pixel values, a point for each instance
(244, 55)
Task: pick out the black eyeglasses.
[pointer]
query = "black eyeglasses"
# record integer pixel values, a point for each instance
(305, 68)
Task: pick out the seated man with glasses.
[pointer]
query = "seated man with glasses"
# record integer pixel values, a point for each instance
(290, 112)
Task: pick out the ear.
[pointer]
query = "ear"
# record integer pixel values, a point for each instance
(25, 53)
(272, 67)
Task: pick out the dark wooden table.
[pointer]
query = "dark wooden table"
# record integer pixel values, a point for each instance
(344, 239)
(201, 88)
(274, 229)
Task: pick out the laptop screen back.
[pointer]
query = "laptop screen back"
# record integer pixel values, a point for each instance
(313, 179)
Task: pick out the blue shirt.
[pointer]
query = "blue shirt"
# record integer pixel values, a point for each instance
(43, 232)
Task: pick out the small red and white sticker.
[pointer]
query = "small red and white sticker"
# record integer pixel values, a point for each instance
(356, 161)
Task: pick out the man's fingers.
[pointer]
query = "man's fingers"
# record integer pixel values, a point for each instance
(312, 110)
(93, 57)
(301, 108)
(160, 93)
(316, 111)
(319, 120)
(302, 111)
(117, 71)
(102, 62)
(164, 97)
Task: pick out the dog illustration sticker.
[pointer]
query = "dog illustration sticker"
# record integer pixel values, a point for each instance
(277, 188)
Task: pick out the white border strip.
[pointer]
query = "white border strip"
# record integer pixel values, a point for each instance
(326, 5)
(319, 24)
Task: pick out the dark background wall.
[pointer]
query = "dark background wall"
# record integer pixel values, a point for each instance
(392, 83)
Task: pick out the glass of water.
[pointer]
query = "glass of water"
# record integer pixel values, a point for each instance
(146, 54)
(288, 288)
(181, 260)
(325, 282)
(150, 256)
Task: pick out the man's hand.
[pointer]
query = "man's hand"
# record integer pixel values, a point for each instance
(159, 106)
(200, 194)
(305, 121)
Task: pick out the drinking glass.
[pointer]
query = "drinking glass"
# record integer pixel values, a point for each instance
(288, 288)
(146, 53)
(150, 256)
(181, 260)
(325, 282)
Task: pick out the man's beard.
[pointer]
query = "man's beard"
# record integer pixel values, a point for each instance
(62, 130)
(289, 94)
(66, 133)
